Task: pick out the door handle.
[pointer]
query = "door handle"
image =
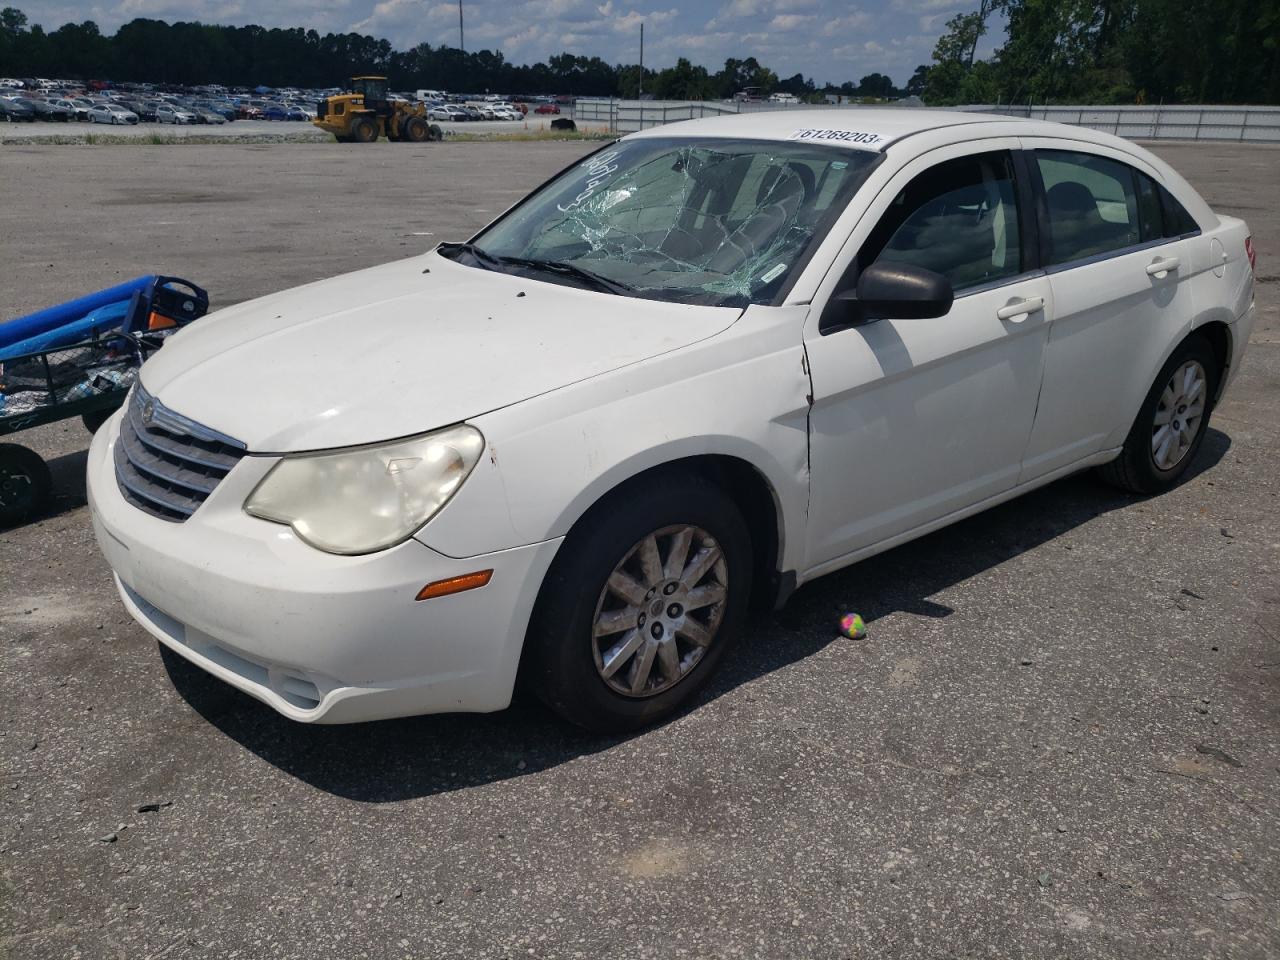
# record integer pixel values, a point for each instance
(1020, 309)
(1162, 267)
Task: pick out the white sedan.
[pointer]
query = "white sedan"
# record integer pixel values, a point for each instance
(111, 113)
(444, 111)
(702, 366)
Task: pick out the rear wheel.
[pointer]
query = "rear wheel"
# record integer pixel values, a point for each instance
(364, 130)
(1171, 424)
(415, 130)
(25, 484)
(645, 596)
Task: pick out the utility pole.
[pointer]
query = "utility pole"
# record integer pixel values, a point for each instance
(640, 84)
(462, 43)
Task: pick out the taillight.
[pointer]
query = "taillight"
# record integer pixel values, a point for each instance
(1251, 254)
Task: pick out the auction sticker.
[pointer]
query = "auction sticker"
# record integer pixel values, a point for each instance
(836, 136)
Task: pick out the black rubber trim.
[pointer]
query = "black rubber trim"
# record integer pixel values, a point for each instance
(1030, 214)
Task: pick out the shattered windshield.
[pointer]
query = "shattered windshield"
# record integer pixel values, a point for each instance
(716, 222)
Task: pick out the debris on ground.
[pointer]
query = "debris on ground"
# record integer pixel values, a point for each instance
(852, 626)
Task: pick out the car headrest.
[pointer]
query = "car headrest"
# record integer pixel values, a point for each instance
(1071, 198)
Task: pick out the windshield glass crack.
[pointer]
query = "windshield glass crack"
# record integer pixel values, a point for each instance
(720, 222)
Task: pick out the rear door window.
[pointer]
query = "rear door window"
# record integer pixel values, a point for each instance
(1092, 205)
(959, 219)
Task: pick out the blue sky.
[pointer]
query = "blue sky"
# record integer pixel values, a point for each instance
(829, 40)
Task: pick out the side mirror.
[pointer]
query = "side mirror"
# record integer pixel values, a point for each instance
(889, 291)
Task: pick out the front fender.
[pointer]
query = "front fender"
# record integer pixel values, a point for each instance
(743, 393)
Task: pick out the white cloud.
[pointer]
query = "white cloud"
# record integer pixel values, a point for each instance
(848, 25)
(791, 21)
(832, 40)
(630, 22)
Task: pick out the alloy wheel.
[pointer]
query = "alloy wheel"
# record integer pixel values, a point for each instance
(1179, 415)
(659, 611)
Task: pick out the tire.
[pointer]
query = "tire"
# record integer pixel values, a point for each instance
(1145, 464)
(96, 418)
(415, 130)
(436, 134)
(25, 484)
(364, 130)
(663, 661)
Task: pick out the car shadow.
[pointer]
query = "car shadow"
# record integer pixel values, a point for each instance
(402, 759)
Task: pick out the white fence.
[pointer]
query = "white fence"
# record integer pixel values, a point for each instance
(1248, 124)
(1257, 124)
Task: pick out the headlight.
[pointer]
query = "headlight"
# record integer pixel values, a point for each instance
(363, 499)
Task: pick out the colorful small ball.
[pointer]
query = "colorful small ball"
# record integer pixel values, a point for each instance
(851, 626)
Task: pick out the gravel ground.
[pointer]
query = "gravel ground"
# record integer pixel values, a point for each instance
(1060, 738)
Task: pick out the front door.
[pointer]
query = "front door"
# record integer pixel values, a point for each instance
(913, 420)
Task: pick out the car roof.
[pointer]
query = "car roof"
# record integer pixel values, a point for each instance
(877, 129)
(864, 127)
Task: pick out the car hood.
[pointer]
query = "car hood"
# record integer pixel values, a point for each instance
(403, 348)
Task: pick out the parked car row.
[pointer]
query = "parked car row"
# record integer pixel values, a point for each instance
(462, 112)
(67, 103)
(64, 100)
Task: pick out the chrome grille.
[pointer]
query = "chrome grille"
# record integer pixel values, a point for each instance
(167, 465)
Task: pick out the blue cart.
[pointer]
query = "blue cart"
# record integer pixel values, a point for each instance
(78, 359)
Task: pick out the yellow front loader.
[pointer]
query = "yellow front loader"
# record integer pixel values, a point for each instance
(365, 114)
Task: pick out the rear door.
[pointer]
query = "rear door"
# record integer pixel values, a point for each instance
(1118, 261)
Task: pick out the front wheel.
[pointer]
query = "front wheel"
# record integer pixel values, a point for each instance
(415, 130)
(1171, 423)
(645, 596)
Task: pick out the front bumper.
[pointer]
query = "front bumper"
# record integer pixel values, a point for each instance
(318, 637)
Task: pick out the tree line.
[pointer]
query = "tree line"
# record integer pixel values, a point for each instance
(1111, 51)
(191, 54)
(1077, 51)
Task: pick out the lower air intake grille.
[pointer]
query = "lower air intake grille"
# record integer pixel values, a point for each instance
(167, 465)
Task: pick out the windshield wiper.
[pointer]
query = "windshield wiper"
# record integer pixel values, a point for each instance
(493, 261)
(582, 274)
(452, 249)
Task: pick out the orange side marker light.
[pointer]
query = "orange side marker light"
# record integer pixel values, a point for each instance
(442, 588)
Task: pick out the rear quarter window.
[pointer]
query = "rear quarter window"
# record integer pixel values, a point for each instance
(1177, 222)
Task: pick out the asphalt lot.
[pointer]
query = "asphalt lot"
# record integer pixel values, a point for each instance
(1061, 737)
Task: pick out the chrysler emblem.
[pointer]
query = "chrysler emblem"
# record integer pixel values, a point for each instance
(148, 412)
